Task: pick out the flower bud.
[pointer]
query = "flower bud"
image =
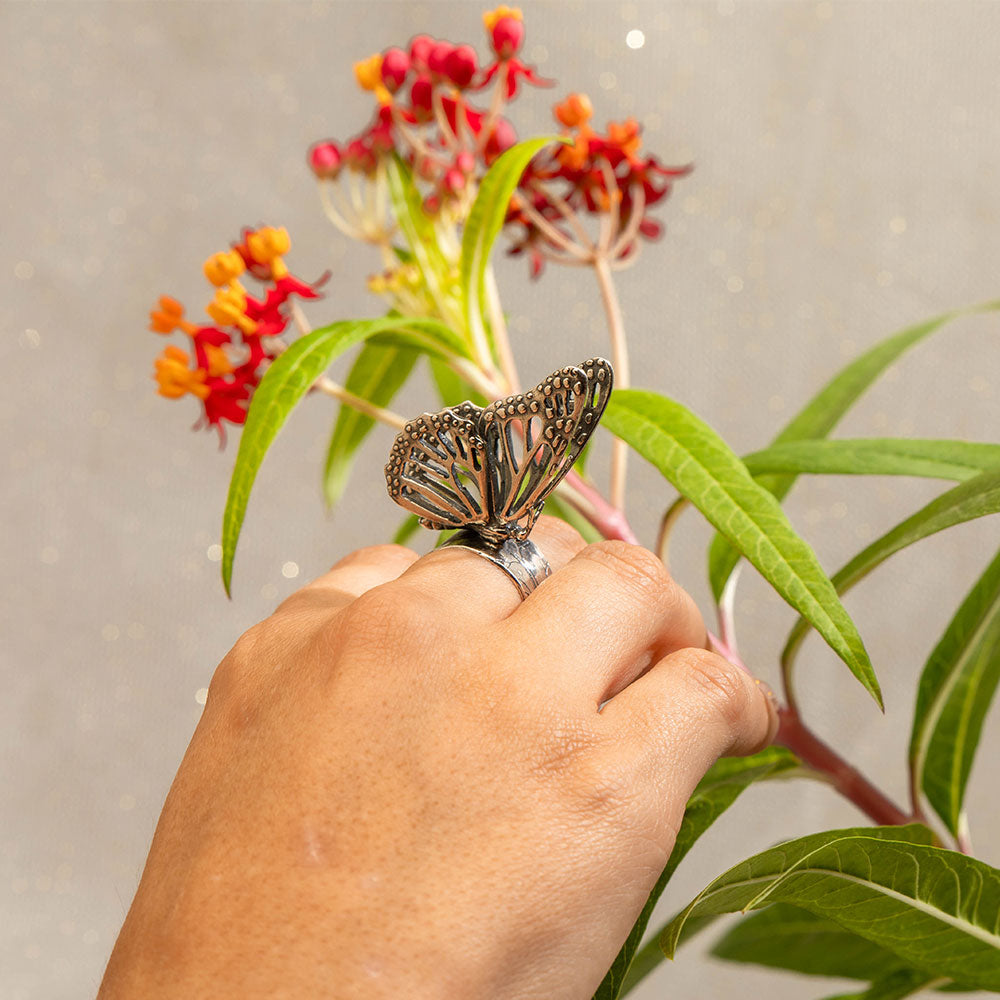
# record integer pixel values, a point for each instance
(437, 59)
(395, 66)
(420, 49)
(325, 159)
(358, 156)
(575, 111)
(420, 98)
(454, 180)
(465, 162)
(502, 137)
(461, 65)
(505, 26)
(507, 37)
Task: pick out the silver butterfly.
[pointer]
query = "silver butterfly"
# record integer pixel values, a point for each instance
(491, 468)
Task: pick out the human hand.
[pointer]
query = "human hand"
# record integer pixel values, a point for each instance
(402, 784)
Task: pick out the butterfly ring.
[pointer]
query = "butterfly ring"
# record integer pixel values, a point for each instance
(485, 472)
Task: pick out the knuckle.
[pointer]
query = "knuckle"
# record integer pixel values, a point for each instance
(600, 783)
(231, 676)
(390, 616)
(637, 568)
(723, 686)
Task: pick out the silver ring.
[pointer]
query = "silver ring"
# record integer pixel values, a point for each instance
(521, 560)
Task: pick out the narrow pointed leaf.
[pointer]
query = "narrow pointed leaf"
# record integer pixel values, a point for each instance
(702, 468)
(715, 793)
(428, 336)
(956, 460)
(937, 910)
(486, 218)
(418, 228)
(824, 411)
(956, 687)
(285, 382)
(895, 986)
(452, 388)
(973, 498)
(378, 373)
(787, 937)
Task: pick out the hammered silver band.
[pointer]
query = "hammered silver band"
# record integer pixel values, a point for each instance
(522, 561)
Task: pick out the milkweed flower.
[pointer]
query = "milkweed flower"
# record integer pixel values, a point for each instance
(231, 353)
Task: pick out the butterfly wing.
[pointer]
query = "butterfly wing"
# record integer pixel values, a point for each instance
(533, 439)
(437, 468)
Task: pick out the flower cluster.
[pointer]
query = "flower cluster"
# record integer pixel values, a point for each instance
(597, 174)
(426, 113)
(231, 353)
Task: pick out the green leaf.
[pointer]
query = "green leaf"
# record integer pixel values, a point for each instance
(432, 338)
(485, 220)
(974, 498)
(783, 936)
(702, 468)
(957, 460)
(822, 413)
(378, 373)
(956, 687)
(715, 793)
(895, 986)
(409, 527)
(937, 910)
(787, 937)
(422, 239)
(286, 381)
(452, 388)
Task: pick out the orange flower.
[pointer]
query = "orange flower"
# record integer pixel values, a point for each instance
(224, 268)
(218, 361)
(577, 155)
(625, 136)
(175, 378)
(368, 73)
(267, 245)
(168, 317)
(229, 307)
(575, 111)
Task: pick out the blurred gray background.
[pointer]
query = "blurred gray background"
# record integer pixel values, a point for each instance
(846, 183)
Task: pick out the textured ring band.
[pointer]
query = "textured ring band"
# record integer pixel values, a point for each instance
(521, 560)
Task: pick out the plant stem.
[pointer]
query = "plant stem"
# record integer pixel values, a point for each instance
(608, 519)
(619, 358)
(847, 779)
(669, 519)
(337, 391)
(501, 336)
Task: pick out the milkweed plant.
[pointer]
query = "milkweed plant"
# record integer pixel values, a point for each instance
(431, 185)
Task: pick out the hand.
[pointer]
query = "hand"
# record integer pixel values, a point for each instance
(404, 783)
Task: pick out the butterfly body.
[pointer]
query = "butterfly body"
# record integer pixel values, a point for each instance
(491, 468)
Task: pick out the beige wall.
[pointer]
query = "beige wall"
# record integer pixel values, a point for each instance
(137, 138)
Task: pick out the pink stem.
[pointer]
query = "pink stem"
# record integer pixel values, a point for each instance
(847, 779)
(609, 520)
